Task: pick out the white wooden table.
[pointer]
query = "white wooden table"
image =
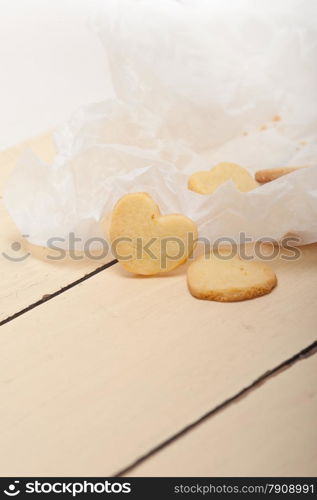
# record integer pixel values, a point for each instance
(116, 374)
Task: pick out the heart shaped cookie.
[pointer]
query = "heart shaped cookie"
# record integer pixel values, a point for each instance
(207, 181)
(144, 241)
(215, 277)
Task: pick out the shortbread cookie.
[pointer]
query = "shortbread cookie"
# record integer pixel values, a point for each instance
(270, 174)
(144, 241)
(212, 277)
(207, 181)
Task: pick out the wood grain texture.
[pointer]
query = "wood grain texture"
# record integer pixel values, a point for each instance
(271, 431)
(104, 372)
(25, 282)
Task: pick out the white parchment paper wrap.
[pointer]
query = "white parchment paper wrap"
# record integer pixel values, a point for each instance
(196, 82)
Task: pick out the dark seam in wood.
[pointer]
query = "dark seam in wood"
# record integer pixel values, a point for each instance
(304, 353)
(50, 296)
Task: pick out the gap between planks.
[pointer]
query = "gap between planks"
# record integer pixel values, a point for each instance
(50, 296)
(262, 379)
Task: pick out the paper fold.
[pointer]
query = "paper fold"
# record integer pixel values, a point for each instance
(196, 83)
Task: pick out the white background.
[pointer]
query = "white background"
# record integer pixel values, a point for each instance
(51, 62)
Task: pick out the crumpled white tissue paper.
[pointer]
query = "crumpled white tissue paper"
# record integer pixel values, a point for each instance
(196, 83)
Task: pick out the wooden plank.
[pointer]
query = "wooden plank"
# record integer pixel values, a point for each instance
(270, 432)
(25, 282)
(104, 372)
